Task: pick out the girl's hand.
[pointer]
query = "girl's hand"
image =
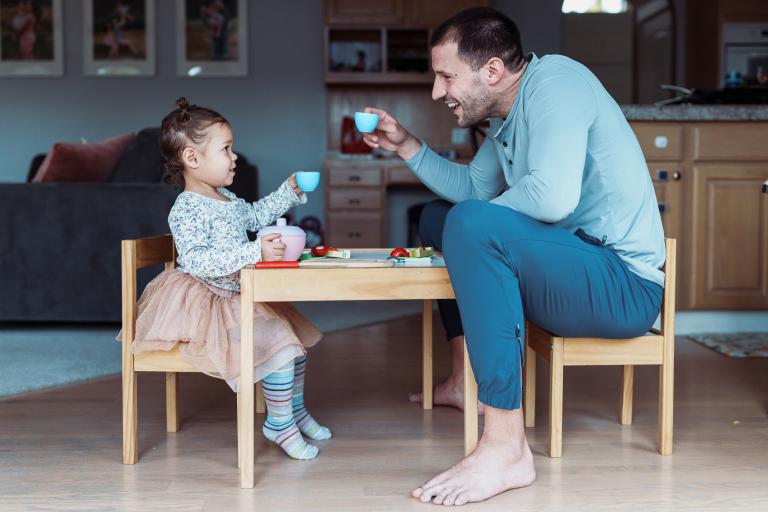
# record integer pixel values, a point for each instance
(294, 185)
(271, 248)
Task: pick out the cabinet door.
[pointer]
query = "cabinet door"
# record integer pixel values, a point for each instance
(730, 236)
(358, 229)
(376, 12)
(430, 13)
(667, 178)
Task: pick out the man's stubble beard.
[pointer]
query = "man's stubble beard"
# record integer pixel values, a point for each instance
(476, 108)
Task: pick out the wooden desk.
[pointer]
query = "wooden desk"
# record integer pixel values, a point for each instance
(295, 285)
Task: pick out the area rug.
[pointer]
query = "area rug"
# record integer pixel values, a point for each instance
(737, 344)
(34, 357)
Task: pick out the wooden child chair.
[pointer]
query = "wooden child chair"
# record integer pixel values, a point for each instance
(138, 254)
(657, 348)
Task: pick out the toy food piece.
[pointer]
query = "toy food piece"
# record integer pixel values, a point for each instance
(338, 253)
(399, 252)
(320, 250)
(420, 252)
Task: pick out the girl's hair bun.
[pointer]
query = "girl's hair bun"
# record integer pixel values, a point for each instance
(182, 103)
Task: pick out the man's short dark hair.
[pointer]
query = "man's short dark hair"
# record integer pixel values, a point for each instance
(481, 33)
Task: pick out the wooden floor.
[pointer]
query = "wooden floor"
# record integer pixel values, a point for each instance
(60, 450)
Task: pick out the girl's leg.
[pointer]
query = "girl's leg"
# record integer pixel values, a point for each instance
(280, 426)
(307, 424)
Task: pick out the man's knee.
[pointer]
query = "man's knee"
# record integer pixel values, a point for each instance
(470, 221)
(432, 221)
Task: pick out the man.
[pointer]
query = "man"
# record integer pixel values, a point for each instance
(555, 221)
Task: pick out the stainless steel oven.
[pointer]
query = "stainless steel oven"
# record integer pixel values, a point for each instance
(745, 51)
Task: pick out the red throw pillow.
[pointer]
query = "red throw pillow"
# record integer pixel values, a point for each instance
(90, 162)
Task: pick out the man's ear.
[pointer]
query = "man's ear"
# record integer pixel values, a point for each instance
(189, 157)
(495, 69)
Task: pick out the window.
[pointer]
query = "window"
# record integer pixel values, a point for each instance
(607, 6)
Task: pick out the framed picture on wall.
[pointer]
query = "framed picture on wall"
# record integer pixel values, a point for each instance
(31, 38)
(212, 37)
(119, 37)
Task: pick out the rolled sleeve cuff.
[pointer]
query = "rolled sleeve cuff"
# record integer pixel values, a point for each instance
(286, 191)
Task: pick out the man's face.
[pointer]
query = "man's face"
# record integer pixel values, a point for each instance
(462, 90)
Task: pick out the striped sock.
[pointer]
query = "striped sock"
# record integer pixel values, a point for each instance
(307, 424)
(280, 426)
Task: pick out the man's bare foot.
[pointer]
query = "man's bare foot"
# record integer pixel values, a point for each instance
(450, 393)
(494, 467)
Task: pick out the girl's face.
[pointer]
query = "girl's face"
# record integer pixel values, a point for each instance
(213, 162)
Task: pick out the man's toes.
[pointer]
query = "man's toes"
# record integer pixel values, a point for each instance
(429, 493)
(440, 498)
(462, 498)
(450, 500)
(415, 398)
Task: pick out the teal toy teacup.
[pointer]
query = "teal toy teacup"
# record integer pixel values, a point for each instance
(307, 180)
(366, 122)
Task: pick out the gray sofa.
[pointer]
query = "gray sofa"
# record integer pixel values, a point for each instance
(60, 242)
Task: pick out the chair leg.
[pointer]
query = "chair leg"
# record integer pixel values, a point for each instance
(171, 401)
(130, 414)
(261, 406)
(626, 394)
(529, 398)
(239, 433)
(470, 405)
(666, 399)
(556, 399)
(427, 379)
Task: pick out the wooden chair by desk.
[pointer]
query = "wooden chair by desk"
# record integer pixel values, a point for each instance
(657, 348)
(138, 254)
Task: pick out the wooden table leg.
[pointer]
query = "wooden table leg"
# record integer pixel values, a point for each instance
(246, 412)
(470, 405)
(427, 377)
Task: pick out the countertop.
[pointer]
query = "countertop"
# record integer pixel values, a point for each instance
(696, 112)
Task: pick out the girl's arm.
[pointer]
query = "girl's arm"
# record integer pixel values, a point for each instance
(196, 256)
(269, 208)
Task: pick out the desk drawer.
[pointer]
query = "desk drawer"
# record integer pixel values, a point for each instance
(355, 176)
(355, 199)
(660, 141)
(354, 230)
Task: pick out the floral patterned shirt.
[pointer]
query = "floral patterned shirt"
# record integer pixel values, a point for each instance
(211, 235)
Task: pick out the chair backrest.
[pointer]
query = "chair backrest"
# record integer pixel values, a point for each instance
(668, 299)
(137, 254)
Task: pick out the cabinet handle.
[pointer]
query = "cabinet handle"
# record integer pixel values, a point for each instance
(353, 234)
(354, 201)
(354, 177)
(662, 175)
(662, 208)
(676, 175)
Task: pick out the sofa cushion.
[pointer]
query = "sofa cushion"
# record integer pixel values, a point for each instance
(141, 162)
(88, 162)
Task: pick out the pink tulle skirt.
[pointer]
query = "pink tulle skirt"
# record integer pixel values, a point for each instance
(178, 309)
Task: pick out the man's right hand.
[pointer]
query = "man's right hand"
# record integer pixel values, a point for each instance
(272, 250)
(390, 135)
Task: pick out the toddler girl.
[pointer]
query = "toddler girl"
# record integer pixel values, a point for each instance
(197, 305)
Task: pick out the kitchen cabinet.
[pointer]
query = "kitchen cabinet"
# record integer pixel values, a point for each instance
(708, 178)
(421, 13)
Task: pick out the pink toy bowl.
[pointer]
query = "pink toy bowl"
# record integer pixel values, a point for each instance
(293, 237)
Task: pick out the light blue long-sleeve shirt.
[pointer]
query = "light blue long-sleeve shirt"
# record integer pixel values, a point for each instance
(565, 154)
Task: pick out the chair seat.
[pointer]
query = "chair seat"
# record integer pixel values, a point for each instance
(162, 361)
(648, 349)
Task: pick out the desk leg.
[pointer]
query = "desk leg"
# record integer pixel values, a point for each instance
(470, 405)
(426, 332)
(246, 412)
